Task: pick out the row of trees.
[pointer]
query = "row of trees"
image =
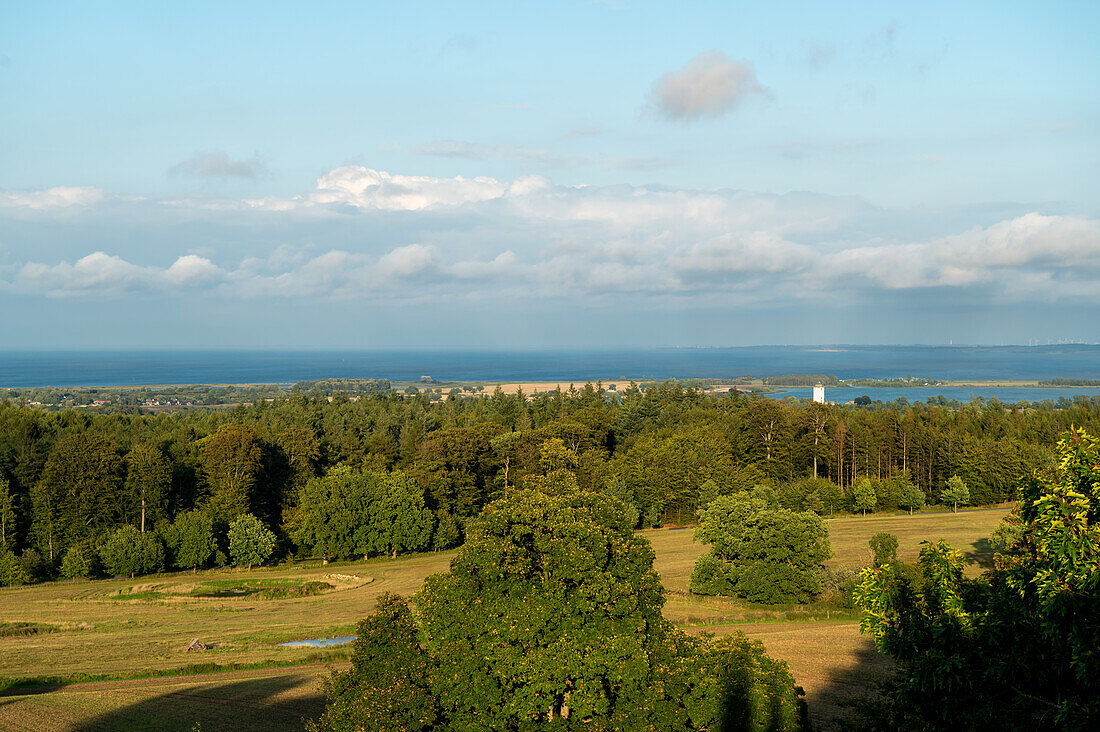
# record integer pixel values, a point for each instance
(192, 541)
(69, 478)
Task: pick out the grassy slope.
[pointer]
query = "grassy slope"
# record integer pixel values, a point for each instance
(109, 636)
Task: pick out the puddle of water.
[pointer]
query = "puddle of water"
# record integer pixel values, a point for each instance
(321, 642)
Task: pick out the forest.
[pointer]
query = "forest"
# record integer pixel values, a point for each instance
(407, 472)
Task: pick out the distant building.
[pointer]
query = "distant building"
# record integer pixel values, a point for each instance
(819, 393)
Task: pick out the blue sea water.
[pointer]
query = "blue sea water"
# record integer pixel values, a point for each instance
(124, 368)
(963, 394)
(320, 642)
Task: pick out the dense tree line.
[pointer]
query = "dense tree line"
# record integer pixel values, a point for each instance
(69, 478)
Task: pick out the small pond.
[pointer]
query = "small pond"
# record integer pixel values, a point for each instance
(321, 642)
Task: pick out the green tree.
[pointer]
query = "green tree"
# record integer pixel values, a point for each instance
(148, 478)
(863, 496)
(334, 513)
(75, 564)
(1015, 649)
(231, 462)
(250, 542)
(551, 613)
(79, 494)
(400, 520)
(615, 487)
(912, 497)
(387, 687)
(955, 492)
(192, 539)
(130, 552)
(7, 515)
(884, 546)
(11, 569)
(762, 553)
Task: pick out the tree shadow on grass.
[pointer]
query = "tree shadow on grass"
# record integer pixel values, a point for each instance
(981, 554)
(855, 698)
(270, 703)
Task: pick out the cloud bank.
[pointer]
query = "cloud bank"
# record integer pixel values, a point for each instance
(370, 235)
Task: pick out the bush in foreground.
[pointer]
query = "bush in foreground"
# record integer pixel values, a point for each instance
(551, 615)
(1017, 648)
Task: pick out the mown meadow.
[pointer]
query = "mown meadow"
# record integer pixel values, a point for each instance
(109, 630)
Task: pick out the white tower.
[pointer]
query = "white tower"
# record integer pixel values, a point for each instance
(819, 393)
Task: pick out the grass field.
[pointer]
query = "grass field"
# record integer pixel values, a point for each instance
(122, 626)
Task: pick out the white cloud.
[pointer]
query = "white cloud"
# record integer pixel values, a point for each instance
(711, 85)
(191, 269)
(51, 198)
(368, 188)
(407, 261)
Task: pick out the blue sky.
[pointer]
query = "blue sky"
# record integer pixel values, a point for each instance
(615, 173)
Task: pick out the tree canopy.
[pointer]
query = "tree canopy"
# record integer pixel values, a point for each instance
(759, 551)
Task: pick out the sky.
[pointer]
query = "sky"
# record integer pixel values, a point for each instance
(589, 174)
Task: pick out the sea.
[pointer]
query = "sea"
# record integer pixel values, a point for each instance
(982, 363)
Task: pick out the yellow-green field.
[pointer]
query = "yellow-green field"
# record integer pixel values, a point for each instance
(123, 626)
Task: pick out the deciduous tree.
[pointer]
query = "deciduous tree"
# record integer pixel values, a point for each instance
(130, 552)
(955, 492)
(759, 552)
(231, 461)
(192, 539)
(148, 478)
(250, 542)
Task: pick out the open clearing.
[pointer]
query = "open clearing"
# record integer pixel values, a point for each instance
(123, 626)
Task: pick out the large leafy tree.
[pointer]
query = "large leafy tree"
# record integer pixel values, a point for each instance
(148, 478)
(192, 539)
(1017, 648)
(250, 542)
(759, 551)
(130, 552)
(399, 519)
(335, 513)
(231, 460)
(864, 497)
(80, 493)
